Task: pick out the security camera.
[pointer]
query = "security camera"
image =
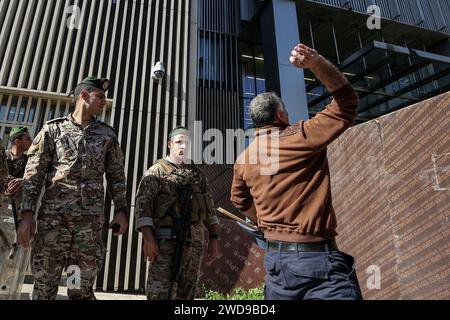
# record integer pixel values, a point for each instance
(158, 71)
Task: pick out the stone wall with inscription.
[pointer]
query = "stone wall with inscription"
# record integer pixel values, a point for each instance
(391, 192)
(240, 262)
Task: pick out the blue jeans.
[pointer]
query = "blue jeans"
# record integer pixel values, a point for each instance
(311, 276)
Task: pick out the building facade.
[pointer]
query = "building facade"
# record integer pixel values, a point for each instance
(394, 61)
(47, 47)
(218, 55)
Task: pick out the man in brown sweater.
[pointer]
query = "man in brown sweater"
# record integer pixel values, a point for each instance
(282, 182)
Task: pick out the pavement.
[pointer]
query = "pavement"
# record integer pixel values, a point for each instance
(62, 294)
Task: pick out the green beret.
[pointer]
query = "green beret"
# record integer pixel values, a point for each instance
(99, 83)
(17, 131)
(178, 130)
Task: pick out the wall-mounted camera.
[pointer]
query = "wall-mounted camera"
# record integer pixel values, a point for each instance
(158, 71)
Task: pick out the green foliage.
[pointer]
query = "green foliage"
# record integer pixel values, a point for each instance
(238, 294)
(213, 295)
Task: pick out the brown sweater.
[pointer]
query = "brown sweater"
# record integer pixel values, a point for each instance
(292, 196)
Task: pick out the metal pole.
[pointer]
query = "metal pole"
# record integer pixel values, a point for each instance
(335, 42)
(311, 32)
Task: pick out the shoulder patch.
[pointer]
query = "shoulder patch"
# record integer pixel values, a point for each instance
(37, 139)
(38, 144)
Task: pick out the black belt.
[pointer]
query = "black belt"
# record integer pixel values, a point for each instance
(322, 246)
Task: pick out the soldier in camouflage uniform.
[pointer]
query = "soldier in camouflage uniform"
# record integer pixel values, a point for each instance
(4, 217)
(71, 155)
(16, 160)
(13, 163)
(158, 207)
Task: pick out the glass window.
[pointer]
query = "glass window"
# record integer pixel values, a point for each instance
(209, 51)
(51, 112)
(12, 110)
(22, 110)
(247, 119)
(31, 113)
(4, 105)
(253, 82)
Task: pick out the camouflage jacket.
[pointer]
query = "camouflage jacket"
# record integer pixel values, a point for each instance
(157, 192)
(16, 166)
(72, 161)
(16, 169)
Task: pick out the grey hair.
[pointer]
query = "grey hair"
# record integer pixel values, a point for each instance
(263, 108)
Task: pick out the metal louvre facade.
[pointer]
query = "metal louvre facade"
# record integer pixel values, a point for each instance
(47, 47)
(218, 80)
(428, 14)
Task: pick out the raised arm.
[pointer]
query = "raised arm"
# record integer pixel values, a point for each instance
(328, 124)
(328, 74)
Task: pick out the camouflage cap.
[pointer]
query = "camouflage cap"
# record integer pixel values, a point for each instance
(17, 131)
(178, 130)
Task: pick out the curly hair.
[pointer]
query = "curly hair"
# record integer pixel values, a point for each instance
(263, 108)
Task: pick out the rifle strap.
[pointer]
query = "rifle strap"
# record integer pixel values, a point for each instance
(15, 215)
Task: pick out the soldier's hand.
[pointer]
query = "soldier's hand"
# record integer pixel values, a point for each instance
(27, 229)
(150, 249)
(213, 251)
(122, 220)
(304, 57)
(14, 186)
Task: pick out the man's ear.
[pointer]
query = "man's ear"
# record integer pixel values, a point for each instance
(278, 117)
(84, 94)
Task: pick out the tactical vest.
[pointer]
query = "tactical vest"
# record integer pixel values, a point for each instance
(167, 203)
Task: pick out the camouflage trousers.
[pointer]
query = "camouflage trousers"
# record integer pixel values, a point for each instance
(72, 242)
(159, 272)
